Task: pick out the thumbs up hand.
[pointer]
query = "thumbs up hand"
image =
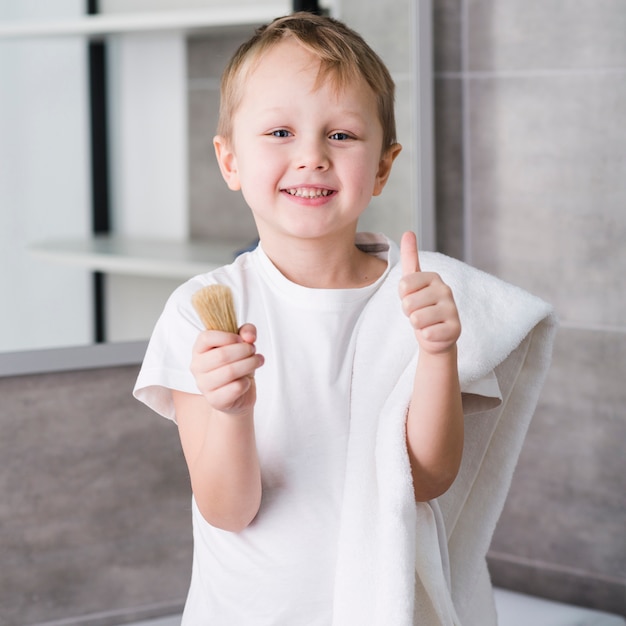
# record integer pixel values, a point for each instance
(427, 301)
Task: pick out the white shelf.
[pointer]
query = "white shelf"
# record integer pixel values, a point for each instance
(180, 20)
(139, 257)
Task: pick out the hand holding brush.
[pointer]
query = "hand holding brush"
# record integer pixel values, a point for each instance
(224, 357)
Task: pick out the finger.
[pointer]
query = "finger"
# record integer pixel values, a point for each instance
(209, 339)
(227, 398)
(225, 355)
(248, 333)
(415, 293)
(231, 372)
(409, 255)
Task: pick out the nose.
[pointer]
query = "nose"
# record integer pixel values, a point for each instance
(312, 154)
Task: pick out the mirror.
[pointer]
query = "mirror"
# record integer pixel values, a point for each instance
(66, 288)
(96, 139)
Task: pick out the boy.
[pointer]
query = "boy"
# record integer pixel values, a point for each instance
(306, 133)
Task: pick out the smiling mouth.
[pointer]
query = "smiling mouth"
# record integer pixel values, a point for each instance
(308, 192)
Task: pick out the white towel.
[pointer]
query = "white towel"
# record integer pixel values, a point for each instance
(399, 563)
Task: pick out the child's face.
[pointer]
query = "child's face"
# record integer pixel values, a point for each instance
(306, 159)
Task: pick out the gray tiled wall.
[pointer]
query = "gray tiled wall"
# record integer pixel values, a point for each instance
(531, 166)
(95, 513)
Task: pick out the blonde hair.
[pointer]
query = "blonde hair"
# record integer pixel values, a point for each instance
(343, 55)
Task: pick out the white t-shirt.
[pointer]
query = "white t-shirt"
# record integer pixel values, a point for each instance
(280, 570)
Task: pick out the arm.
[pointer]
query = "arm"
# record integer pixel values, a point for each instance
(434, 426)
(217, 428)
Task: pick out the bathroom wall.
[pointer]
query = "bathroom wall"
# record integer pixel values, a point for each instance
(530, 145)
(531, 186)
(95, 514)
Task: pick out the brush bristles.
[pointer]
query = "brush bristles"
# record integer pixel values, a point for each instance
(214, 304)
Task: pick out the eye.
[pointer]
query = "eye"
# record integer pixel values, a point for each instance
(340, 136)
(281, 133)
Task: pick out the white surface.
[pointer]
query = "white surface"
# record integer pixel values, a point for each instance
(44, 183)
(147, 77)
(514, 609)
(139, 257)
(186, 20)
(141, 273)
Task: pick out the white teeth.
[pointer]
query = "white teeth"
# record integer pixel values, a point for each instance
(307, 192)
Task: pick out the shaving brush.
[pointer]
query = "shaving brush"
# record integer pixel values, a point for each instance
(214, 304)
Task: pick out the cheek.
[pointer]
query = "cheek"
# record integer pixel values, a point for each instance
(260, 176)
(260, 166)
(363, 173)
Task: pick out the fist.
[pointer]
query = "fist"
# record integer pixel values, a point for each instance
(223, 365)
(427, 301)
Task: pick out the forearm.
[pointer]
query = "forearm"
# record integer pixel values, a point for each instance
(435, 425)
(222, 458)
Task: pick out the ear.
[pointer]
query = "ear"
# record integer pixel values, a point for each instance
(384, 167)
(227, 161)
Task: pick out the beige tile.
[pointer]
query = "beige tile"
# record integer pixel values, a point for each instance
(548, 35)
(548, 190)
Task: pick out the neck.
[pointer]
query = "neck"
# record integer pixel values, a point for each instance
(336, 264)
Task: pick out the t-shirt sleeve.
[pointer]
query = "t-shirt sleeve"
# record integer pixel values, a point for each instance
(168, 356)
(481, 395)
